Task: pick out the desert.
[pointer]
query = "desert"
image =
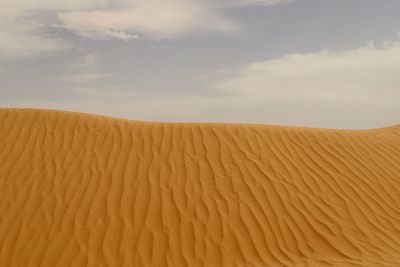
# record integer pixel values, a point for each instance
(88, 190)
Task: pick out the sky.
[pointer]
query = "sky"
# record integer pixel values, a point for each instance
(314, 63)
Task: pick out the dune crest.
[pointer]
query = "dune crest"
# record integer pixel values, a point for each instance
(85, 190)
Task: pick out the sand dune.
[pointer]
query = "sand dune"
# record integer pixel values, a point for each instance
(85, 190)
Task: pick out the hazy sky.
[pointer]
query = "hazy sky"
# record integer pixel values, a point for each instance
(320, 63)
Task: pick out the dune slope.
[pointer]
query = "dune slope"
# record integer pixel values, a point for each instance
(85, 190)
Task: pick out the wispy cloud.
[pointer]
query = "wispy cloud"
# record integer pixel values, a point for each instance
(104, 93)
(367, 74)
(228, 3)
(24, 33)
(86, 77)
(23, 39)
(21, 34)
(151, 18)
(85, 70)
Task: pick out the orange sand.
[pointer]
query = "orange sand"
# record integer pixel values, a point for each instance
(85, 190)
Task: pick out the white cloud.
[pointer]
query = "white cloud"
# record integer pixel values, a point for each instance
(15, 44)
(23, 31)
(23, 39)
(12, 8)
(156, 18)
(152, 18)
(369, 74)
(22, 35)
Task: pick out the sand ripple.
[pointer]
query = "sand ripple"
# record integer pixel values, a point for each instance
(83, 190)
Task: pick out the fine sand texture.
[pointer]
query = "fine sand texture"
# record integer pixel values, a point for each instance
(86, 190)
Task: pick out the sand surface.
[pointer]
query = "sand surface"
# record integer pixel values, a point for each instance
(85, 190)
